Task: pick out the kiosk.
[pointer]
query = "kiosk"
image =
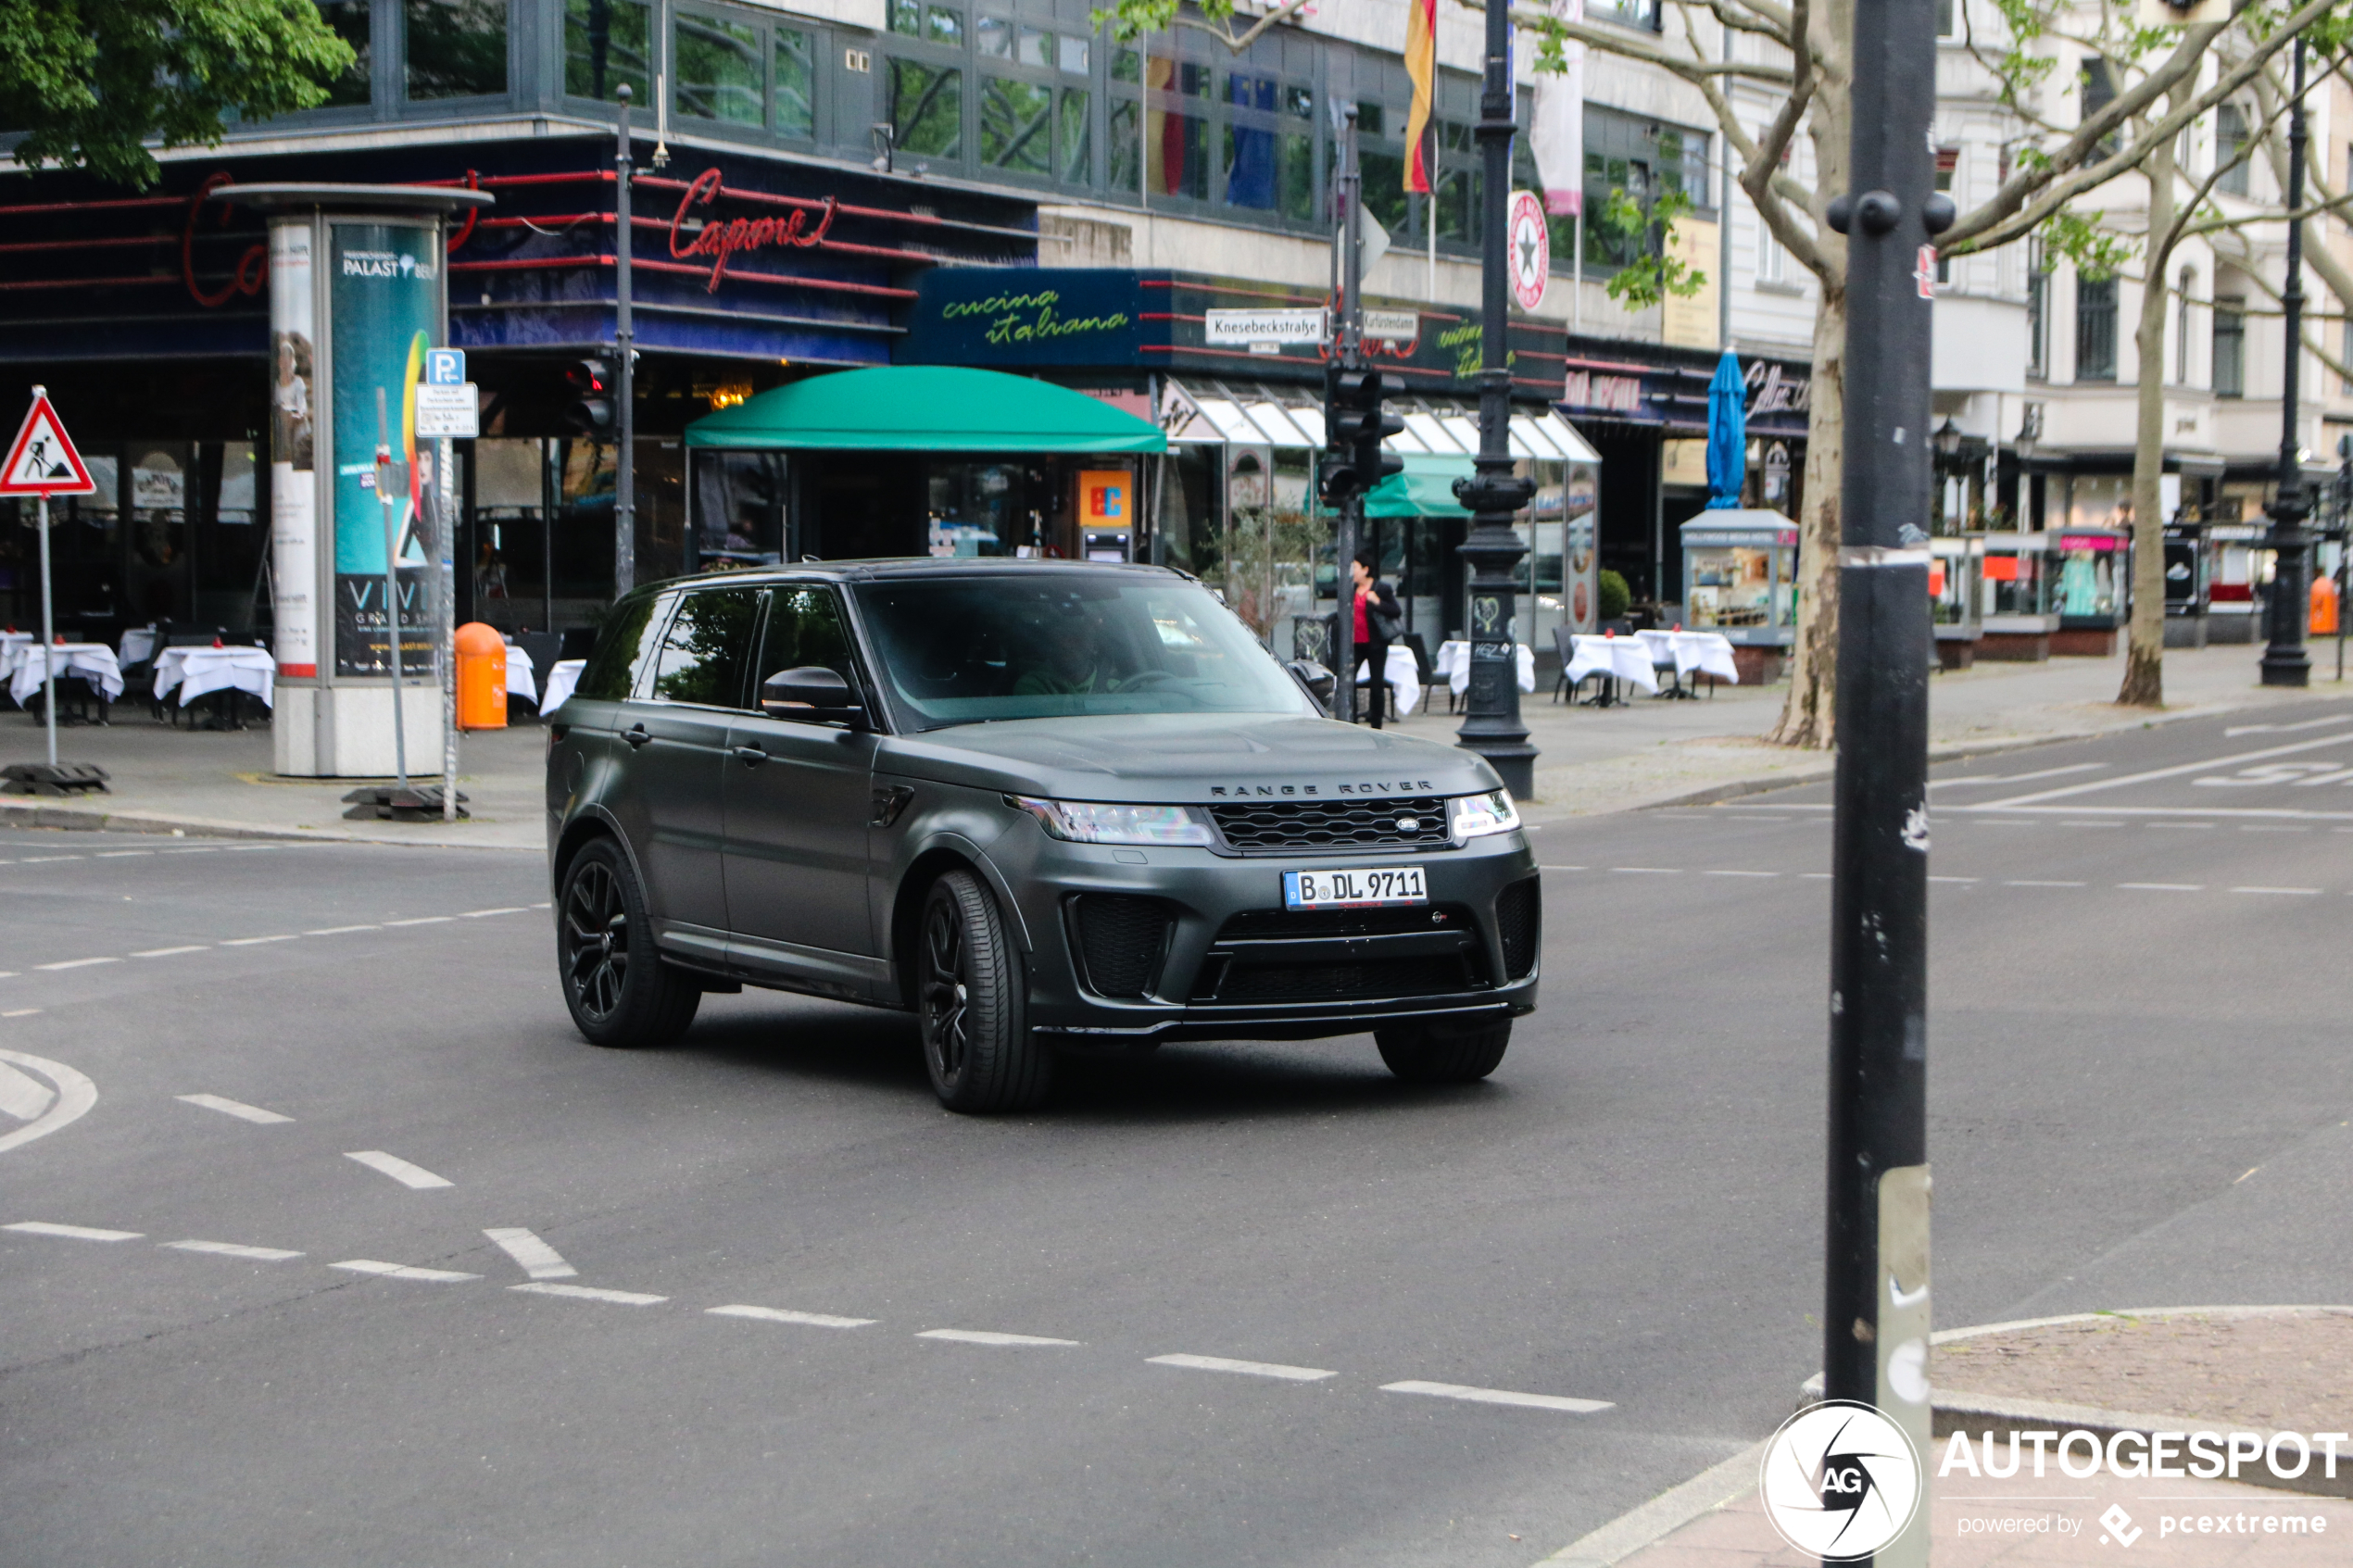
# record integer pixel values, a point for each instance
(2234, 584)
(1739, 578)
(2016, 606)
(2091, 589)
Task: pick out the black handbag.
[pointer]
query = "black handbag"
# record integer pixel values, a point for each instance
(1386, 625)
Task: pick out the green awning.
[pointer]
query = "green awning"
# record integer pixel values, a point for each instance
(1425, 489)
(926, 408)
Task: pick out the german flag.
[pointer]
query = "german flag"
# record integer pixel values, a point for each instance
(1421, 64)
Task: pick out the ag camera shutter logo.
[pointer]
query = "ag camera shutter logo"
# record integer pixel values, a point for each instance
(1839, 1481)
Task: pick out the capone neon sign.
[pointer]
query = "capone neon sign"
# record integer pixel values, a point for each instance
(721, 242)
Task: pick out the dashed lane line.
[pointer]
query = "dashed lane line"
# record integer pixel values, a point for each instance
(539, 1260)
(236, 1108)
(422, 919)
(172, 952)
(479, 914)
(400, 1169)
(990, 1337)
(70, 1232)
(1648, 871)
(258, 941)
(76, 963)
(2284, 892)
(121, 854)
(340, 929)
(593, 1293)
(1954, 879)
(778, 1314)
(1247, 1369)
(232, 1250)
(1500, 1397)
(45, 860)
(1740, 873)
(2036, 881)
(2162, 887)
(17, 1012)
(401, 1271)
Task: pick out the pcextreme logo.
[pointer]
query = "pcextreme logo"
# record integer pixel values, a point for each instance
(1839, 1481)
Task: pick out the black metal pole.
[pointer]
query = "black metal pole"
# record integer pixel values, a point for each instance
(624, 503)
(1875, 1323)
(2284, 662)
(1352, 505)
(1491, 726)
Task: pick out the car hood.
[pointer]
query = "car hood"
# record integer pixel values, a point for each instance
(1189, 757)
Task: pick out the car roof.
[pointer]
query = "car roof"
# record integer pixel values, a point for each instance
(887, 568)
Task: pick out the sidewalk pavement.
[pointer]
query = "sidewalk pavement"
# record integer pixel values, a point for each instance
(2258, 1369)
(1646, 753)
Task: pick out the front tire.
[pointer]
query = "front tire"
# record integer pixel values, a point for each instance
(970, 996)
(1440, 1051)
(619, 992)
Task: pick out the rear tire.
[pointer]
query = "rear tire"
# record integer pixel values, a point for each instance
(970, 996)
(619, 992)
(1443, 1052)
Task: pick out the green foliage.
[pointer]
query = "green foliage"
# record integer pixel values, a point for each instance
(2078, 236)
(1611, 596)
(1649, 233)
(92, 81)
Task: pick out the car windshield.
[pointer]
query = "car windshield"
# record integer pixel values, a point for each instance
(1055, 643)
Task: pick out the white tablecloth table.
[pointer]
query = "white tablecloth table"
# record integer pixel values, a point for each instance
(521, 681)
(1626, 659)
(1405, 676)
(563, 676)
(1453, 662)
(1710, 653)
(138, 645)
(195, 672)
(94, 663)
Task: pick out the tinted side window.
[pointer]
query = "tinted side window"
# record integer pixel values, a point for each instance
(702, 658)
(622, 648)
(805, 628)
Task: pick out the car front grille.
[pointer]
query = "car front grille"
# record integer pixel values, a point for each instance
(1342, 982)
(1276, 827)
(1280, 956)
(1519, 912)
(1121, 941)
(1292, 924)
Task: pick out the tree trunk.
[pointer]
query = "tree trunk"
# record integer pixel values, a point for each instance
(2145, 641)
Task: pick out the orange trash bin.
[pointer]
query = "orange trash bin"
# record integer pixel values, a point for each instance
(482, 678)
(2326, 608)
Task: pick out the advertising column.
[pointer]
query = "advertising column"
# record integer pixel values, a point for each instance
(294, 492)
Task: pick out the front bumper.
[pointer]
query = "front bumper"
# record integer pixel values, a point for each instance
(1266, 975)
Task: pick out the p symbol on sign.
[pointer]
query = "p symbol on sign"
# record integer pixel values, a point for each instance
(445, 366)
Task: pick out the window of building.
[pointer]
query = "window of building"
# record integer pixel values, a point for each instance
(1772, 260)
(607, 44)
(796, 83)
(927, 109)
(1270, 145)
(722, 70)
(2099, 91)
(1948, 18)
(1124, 150)
(1640, 14)
(1016, 126)
(2230, 345)
(1177, 127)
(1644, 158)
(456, 48)
(2095, 328)
(2038, 310)
(354, 23)
(1948, 165)
(2181, 327)
(2231, 149)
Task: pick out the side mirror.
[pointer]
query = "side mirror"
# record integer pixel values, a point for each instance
(812, 695)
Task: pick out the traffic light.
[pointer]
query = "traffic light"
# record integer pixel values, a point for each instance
(1354, 426)
(591, 411)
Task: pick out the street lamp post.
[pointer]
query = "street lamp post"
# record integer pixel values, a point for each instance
(2284, 662)
(625, 479)
(1493, 493)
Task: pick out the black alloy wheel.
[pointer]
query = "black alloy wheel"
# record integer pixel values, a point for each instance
(619, 991)
(1443, 1050)
(971, 1001)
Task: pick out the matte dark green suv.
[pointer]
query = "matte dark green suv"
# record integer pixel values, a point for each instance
(1044, 806)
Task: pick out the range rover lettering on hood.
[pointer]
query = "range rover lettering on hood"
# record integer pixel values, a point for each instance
(1401, 787)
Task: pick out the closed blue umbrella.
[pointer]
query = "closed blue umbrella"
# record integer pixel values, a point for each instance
(1727, 433)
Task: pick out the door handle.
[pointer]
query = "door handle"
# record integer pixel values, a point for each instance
(635, 735)
(752, 756)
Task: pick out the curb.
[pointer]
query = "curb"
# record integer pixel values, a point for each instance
(1663, 1514)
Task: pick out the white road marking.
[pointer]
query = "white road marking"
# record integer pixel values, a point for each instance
(258, 941)
(2085, 822)
(2237, 730)
(539, 1260)
(1815, 876)
(1561, 868)
(1955, 879)
(23, 1096)
(400, 1169)
(2208, 765)
(2031, 882)
(76, 963)
(2201, 827)
(1248, 1369)
(340, 929)
(1740, 873)
(777, 1314)
(2291, 892)
(71, 1233)
(1648, 871)
(169, 952)
(401, 1271)
(19, 1012)
(478, 914)
(591, 1293)
(543, 906)
(120, 854)
(230, 1250)
(236, 1108)
(424, 920)
(988, 1336)
(76, 1094)
(2270, 827)
(2019, 778)
(1500, 1397)
(2163, 886)
(45, 860)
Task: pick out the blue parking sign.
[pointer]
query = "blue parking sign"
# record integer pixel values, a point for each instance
(445, 366)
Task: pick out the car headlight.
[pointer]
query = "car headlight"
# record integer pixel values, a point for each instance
(1476, 816)
(1085, 821)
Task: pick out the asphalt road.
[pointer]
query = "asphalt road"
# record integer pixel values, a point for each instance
(2140, 1095)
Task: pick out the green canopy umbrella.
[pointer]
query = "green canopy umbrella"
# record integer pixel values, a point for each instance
(926, 408)
(1425, 489)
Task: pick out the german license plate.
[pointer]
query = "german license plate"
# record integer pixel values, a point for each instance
(1354, 889)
